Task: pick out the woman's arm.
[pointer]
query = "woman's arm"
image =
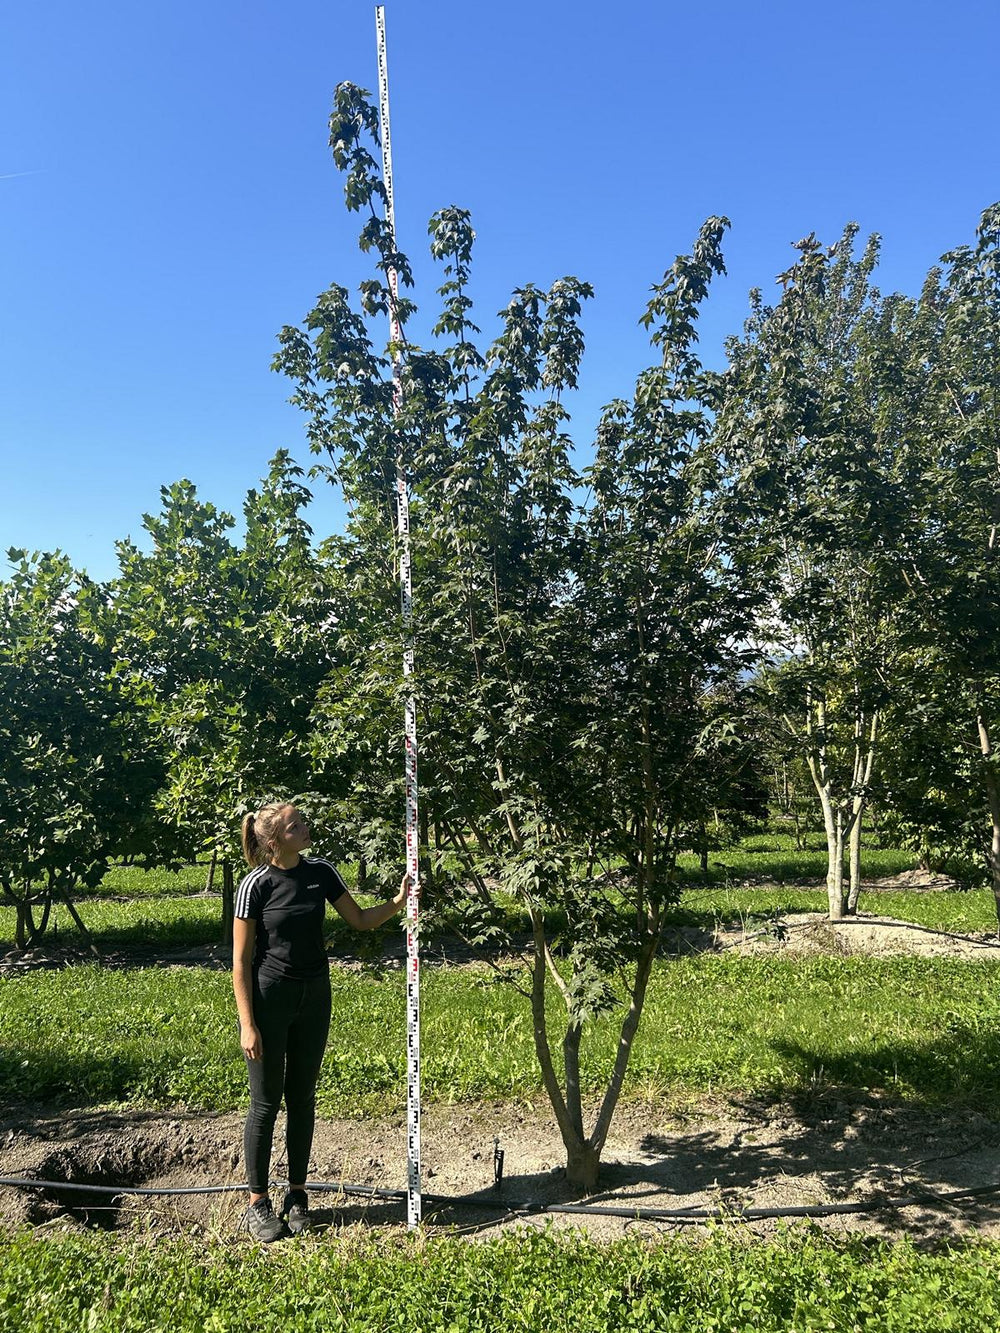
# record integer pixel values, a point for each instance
(369, 918)
(244, 935)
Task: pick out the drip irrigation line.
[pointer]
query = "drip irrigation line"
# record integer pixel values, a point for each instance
(28, 1182)
(535, 1207)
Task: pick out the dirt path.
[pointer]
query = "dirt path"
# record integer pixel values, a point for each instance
(728, 1154)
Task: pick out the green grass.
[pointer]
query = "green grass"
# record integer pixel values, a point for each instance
(135, 882)
(767, 861)
(153, 922)
(187, 922)
(133, 906)
(164, 923)
(923, 1030)
(522, 1282)
(970, 912)
(767, 857)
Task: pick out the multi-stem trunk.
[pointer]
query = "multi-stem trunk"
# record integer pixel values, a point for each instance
(583, 1151)
(833, 820)
(854, 860)
(840, 821)
(27, 931)
(833, 824)
(864, 762)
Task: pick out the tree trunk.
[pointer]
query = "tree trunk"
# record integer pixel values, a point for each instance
(835, 871)
(863, 764)
(630, 1025)
(833, 818)
(574, 1100)
(22, 932)
(855, 861)
(583, 1164)
(24, 925)
(540, 1033)
(228, 901)
(438, 852)
(591, 854)
(424, 844)
(39, 929)
(64, 894)
(833, 824)
(800, 844)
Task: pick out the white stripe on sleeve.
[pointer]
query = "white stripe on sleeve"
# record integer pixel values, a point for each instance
(243, 892)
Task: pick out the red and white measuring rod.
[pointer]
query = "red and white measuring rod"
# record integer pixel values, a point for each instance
(406, 599)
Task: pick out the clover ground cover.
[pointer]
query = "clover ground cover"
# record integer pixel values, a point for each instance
(524, 1280)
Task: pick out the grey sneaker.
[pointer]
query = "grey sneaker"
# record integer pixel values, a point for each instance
(261, 1222)
(295, 1211)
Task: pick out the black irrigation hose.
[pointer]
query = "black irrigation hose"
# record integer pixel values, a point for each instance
(675, 1215)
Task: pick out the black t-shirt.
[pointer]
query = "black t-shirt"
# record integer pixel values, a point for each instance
(288, 907)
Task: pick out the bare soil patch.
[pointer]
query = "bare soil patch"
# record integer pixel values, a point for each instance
(867, 934)
(714, 1154)
(912, 881)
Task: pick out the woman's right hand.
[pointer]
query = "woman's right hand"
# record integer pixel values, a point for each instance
(250, 1041)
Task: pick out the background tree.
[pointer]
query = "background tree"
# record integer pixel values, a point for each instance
(930, 794)
(227, 645)
(951, 560)
(811, 424)
(77, 766)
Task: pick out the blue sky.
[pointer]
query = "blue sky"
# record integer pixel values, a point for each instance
(167, 199)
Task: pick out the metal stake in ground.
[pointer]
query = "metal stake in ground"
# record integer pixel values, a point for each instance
(406, 599)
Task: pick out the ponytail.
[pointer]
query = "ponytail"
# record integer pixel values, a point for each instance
(248, 837)
(257, 832)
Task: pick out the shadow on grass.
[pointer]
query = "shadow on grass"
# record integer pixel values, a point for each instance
(801, 870)
(728, 915)
(959, 1068)
(64, 1078)
(144, 935)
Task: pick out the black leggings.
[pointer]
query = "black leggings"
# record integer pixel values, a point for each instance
(293, 1018)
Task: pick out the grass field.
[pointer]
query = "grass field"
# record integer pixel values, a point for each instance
(918, 1030)
(973, 912)
(524, 1281)
(762, 877)
(774, 859)
(921, 1029)
(170, 922)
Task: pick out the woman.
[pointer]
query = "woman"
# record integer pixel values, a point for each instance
(281, 979)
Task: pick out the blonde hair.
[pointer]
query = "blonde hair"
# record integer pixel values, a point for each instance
(258, 830)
